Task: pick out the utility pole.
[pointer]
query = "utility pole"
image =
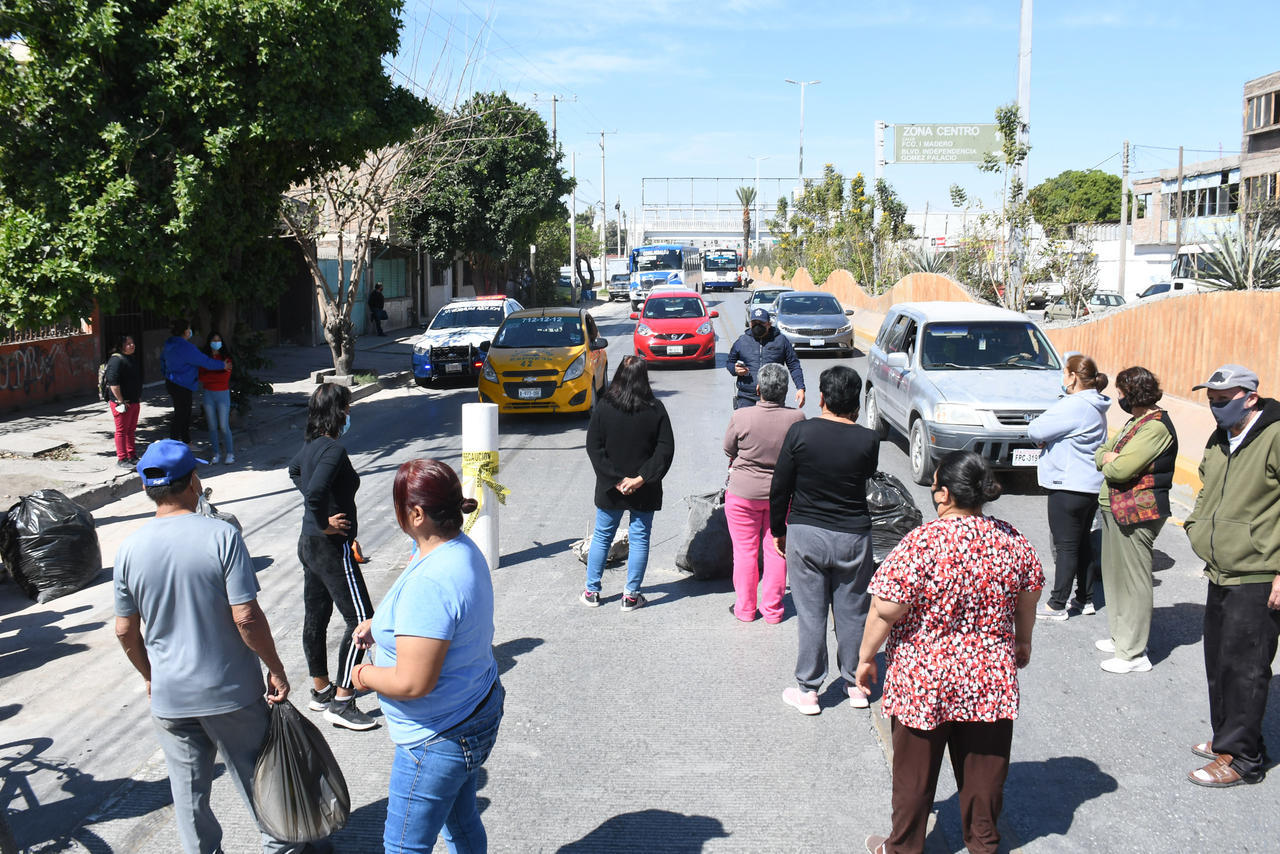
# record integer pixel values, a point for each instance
(1013, 297)
(878, 139)
(573, 225)
(617, 207)
(627, 243)
(604, 215)
(1177, 243)
(757, 160)
(802, 84)
(553, 100)
(1124, 214)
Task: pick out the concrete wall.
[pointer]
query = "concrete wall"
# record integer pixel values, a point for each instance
(35, 372)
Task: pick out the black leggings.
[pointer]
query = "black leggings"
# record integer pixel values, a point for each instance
(331, 577)
(1070, 524)
(180, 421)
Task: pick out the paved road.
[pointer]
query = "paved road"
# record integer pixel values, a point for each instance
(660, 730)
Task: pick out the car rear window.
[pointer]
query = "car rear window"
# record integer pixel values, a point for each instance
(674, 307)
(540, 332)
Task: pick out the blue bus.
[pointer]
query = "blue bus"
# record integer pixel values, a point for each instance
(663, 264)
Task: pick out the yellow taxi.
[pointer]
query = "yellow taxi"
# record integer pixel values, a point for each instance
(545, 360)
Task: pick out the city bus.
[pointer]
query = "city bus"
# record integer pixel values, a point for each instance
(663, 264)
(721, 268)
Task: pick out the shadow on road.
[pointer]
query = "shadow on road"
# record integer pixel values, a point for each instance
(650, 831)
(38, 640)
(535, 552)
(1172, 626)
(507, 651)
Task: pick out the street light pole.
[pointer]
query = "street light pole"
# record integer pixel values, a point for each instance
(757, 160)
(802, 84)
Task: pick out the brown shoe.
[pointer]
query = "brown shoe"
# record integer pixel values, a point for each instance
(1218, 774)
(875, 844)
(356, 554)
(1204, 750)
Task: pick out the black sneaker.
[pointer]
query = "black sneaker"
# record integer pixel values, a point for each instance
(320, 700)
(344, 713)
(630, 602)
(125, 464)
(591, 598)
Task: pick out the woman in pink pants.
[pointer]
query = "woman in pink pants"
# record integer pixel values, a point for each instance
(753, 441)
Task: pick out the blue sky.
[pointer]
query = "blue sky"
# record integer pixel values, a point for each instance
(694, 88)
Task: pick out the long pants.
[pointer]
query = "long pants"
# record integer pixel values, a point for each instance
(331, 577)
(607, 522)
(1126, 576)
(829, 571)
(980, 761)
(376, 315)
(180, 421)
(1070, 523)
(749, 529)
(191, 745)
(217, 412)
(126, 429)
(1240, 635)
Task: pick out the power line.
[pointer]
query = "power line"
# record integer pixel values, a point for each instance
(1112, 157)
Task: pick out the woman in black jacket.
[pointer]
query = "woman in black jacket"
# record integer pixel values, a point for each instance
(123, 383)
(631, 445)
(323, 473)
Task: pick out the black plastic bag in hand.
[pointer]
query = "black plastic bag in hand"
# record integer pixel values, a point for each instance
(893, 513)
(298, 789)
(49, 545)
(707, 549)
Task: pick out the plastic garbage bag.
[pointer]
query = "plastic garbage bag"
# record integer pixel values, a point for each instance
(205, 508)
(49, 545)
(298, 789)
(707, 549)
(893, 513)
(618, 550)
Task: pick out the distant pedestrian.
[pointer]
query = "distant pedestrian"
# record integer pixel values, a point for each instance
(1071, 431)
(435, 674)
(376, 303)
(631, 446)
(956, 600)
(216, 398)
(752, 442)
(820, 522)
(1137, 465)
(180, 361)
(187, 615)
(124, 398)
(760, 345)
(1235, 530)
(323, 473)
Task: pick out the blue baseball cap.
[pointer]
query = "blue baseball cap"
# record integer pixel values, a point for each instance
(760, 314)
(167, 460)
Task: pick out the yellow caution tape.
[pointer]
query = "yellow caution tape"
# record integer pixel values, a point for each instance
(482, 468)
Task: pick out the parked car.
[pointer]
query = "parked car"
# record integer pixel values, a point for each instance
(450, 346)
(765, 295)
(1160, 289)
(1099, 302)
(545, 360)
(675, 326)
(813, 320)
(619, 286)
(956, 376)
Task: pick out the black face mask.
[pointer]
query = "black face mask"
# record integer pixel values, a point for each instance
(935, 504)
(759, 330)
(1126, 405)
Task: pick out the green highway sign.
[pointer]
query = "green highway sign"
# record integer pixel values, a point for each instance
(945, 143)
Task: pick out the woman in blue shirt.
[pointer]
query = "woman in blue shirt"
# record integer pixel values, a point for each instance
(436, 675)
(181, 362)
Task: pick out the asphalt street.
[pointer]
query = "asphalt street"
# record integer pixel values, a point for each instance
(660, 730)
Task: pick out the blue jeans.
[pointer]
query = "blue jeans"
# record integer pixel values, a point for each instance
(433, 786)
(217, 412)
(607, 522)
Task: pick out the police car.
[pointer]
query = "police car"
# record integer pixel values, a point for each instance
(450, 347)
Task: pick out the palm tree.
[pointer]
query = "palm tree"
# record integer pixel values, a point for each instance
(747, 198)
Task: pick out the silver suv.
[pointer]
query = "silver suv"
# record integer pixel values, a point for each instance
(956, 376)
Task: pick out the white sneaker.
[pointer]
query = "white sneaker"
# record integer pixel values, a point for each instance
(857, 699)
(1085, 608)
(1105, 645)
(215, 459)
(1119, 665)
(231, 458)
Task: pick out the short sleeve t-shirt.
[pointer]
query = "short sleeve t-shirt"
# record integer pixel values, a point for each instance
(448, 595)
(182, 574)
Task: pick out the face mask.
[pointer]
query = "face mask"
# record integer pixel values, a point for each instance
(935, 504)
(346, 426)
(1126, 405)
(215, 345)
(1065, 390)
(1229, 413)
(758, 330)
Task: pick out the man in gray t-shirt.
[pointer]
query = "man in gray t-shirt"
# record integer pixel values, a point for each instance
(188, 618)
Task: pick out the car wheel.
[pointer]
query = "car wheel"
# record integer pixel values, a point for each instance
(874, 420)
(922, 463)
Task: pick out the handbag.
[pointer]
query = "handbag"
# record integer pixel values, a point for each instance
(1134, 501)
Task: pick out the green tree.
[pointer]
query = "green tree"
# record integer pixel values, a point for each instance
(1090, 195)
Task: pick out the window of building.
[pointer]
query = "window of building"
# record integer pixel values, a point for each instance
(1144, 205)
(1262, 112)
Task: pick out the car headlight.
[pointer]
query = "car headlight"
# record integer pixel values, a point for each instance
(575, 370)
(955, 413)
(489, 373)
(643, 330)
(420, 350)
(786, 328)
(704, 329)
(848, 327)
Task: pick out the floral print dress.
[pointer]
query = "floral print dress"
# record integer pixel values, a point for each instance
(951, 656)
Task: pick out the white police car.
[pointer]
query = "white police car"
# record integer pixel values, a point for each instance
(450, 346)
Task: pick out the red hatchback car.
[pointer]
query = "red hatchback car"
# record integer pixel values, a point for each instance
(675, 326)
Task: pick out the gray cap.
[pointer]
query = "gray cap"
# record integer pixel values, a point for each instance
(1231, 376)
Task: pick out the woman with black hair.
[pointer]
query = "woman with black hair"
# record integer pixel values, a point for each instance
(956, 601)
(124, 398)
(820, 523)
(631, 446)
(180, 360)
(216, 398)
(323, 473)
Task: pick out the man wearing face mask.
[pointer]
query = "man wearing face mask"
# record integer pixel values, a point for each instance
(1235, 529)
(758, 346)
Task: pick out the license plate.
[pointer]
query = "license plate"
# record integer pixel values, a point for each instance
(675, 351)
(453, 368)
(1026, 458)
(530, 393)
(817, 342)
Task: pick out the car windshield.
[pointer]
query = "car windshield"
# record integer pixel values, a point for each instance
(472, 315)
(669, 308)
(957, 345)
(720, 262)
(619, 277)
(658, 259)
(807, 304)
(764, 296)
(540, 332)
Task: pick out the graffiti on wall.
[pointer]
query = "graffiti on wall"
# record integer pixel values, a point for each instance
(33, 372)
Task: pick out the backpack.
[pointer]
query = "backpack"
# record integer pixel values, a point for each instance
(104, 393)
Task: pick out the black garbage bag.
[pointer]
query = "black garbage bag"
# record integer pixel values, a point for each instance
(298, 789)
(49, 545)
(893, 513)
(707, 549)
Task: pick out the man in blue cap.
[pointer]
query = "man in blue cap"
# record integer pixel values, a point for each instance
(188, 579)
(761, 345)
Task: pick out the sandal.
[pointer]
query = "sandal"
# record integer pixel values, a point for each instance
(876, 844)
(1217, 774)
(1204, 750)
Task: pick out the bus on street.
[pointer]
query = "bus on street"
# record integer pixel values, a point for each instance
(663, 264)
(721, 268)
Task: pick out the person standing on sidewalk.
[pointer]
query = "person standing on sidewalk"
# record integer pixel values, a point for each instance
(180, 360)
(323, 473)
(124, 395)
(956, 600)
(1235, 530)
(762, 345)
(1137, 465)
(376, 302)
(1071, 431)
(752, 442)
(216, 398)
(820, 522)
(187, 615)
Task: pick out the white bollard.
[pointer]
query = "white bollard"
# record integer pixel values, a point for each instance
(480, 475)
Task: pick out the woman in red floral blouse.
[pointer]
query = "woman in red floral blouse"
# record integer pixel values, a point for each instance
(957, 602)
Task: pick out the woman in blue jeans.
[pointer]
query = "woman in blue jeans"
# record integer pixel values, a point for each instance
(435, 675)
(630, 444)
(216, 397)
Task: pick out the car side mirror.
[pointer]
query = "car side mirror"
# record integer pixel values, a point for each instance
(485, 345)
(898, 360)
(715, 314)
(600, 344)
(848, 312)
(635, 316)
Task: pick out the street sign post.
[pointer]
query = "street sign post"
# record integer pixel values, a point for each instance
(944, 143)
